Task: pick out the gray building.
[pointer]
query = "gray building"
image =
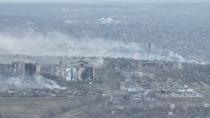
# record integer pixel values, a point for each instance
(24, 69)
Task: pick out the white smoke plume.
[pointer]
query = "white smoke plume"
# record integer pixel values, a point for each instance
(58, 44)
(26, 83)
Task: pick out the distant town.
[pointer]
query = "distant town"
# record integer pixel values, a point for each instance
(113, 85)
(81, 71)
(133, 78)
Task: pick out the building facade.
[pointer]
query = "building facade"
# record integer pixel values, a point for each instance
(24, 69)
(81, 71)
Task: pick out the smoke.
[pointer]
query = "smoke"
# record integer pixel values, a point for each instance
(26, 83)
(58, 44)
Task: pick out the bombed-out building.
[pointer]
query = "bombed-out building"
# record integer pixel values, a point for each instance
(82, 71)
(25, 69)
(78, 71)
(19, 69)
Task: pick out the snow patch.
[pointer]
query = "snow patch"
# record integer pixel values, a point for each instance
(108, 20)
(71, 21)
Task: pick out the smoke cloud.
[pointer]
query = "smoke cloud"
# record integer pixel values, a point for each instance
(58, 44)
(26, 83)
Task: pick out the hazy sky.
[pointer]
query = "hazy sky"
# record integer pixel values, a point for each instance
(85, 1)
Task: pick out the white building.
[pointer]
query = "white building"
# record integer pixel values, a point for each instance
(81, 71)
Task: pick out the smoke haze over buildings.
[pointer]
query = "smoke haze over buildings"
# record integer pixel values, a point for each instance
(143, 31)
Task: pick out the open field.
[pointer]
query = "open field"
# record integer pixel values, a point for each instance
(85, 107)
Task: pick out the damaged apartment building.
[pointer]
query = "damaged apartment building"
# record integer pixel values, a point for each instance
(19, 69)
(82, 71)
(79, 71)
(25, 69)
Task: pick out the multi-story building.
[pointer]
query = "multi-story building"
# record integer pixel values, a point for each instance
(81, 71)
(24, 69)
